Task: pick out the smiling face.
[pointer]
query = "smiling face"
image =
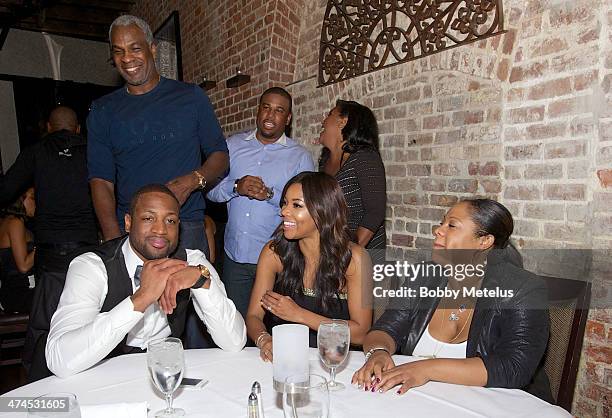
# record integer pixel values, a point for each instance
(134, 58)
(273, 115)
(154, 226)
(457, 231)
(297, 221)
(331, 133)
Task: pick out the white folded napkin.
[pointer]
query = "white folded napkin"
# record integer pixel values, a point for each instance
(115, 410)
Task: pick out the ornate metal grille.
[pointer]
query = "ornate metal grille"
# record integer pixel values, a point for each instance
(361, 36)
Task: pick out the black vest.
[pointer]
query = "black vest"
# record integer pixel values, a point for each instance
(120, 287)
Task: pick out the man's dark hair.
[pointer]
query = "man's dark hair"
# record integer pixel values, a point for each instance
(281, 92)
(150, 188)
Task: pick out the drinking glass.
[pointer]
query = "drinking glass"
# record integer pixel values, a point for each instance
(306, 396)
(50, 405)
(333, 340)
(166, 363)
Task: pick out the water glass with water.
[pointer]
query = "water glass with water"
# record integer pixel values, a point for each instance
(333, 341)
(166, 363)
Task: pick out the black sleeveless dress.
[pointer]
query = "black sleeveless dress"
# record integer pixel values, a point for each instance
(308, 300)
(15, 292)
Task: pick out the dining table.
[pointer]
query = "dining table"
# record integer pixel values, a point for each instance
(230, 376)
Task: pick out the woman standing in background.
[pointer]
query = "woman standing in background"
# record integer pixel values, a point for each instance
(351, 154)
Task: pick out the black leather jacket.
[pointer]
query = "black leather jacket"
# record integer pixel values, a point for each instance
(509, 334)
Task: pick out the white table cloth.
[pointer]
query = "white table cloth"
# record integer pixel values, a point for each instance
(126, 379)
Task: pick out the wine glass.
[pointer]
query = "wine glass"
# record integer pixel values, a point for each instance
(333, 339)
(306, 396)
(55, 405)
(166, 363)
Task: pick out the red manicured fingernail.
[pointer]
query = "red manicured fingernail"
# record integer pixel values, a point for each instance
(377, 380)
(373, 389)
(399, 392)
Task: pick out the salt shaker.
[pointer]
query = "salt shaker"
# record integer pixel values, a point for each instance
(253, 407)
(256, 389)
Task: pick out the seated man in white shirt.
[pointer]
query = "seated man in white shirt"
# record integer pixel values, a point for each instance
(110, 306)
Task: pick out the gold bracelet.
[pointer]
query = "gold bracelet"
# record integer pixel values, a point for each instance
(260, 336)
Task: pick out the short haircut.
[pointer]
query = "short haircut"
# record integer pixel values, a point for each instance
(63, 117)
(281, 92)
(150, 188)
(127, 20)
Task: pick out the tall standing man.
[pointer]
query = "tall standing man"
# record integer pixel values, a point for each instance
(262, 161)
(65, 221)
(154, 130)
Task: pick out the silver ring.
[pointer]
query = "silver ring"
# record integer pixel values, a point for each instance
(269, 307)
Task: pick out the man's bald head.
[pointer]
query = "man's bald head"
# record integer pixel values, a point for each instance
(63, 117)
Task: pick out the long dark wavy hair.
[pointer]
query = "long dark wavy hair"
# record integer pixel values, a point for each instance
(360, 131)
(325, 203)
(16, 208)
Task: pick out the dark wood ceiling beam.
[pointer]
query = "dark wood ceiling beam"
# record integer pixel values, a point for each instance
(84, 31)
(120, 6)
(68, 23)
(74, 14)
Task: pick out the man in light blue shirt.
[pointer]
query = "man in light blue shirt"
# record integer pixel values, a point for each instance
(261, 163)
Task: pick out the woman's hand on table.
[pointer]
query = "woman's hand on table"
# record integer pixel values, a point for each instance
(409, 375)
(282, 306)
(265, 348)
(368, 376)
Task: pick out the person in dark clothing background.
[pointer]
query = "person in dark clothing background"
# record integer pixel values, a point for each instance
(65, 222)
(16, 255)
(351, 154)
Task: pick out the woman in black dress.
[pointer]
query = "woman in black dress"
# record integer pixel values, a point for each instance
(16, 255)
(351, 154)
(310, 271)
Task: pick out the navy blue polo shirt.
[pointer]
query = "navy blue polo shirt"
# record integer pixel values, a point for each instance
(135, 140)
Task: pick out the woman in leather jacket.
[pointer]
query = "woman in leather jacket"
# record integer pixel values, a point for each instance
(495, 340)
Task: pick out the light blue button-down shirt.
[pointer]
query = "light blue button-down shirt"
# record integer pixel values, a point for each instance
(251, 222)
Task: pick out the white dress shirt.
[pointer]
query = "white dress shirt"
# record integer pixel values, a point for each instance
(81, 335)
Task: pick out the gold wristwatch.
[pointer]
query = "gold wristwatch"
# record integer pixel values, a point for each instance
(201, 179)
(204, 275)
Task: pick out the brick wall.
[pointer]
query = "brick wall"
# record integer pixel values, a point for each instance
(524, 118)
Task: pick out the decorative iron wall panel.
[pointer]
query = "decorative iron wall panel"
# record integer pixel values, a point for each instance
(361, 36)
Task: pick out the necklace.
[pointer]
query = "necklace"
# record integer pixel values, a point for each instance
(453, 315)
(440, 344)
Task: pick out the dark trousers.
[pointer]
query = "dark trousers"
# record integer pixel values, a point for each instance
(51, 265)
(238, 279)
(193, 237)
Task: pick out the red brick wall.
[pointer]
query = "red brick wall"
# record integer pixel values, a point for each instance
(524, 117)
